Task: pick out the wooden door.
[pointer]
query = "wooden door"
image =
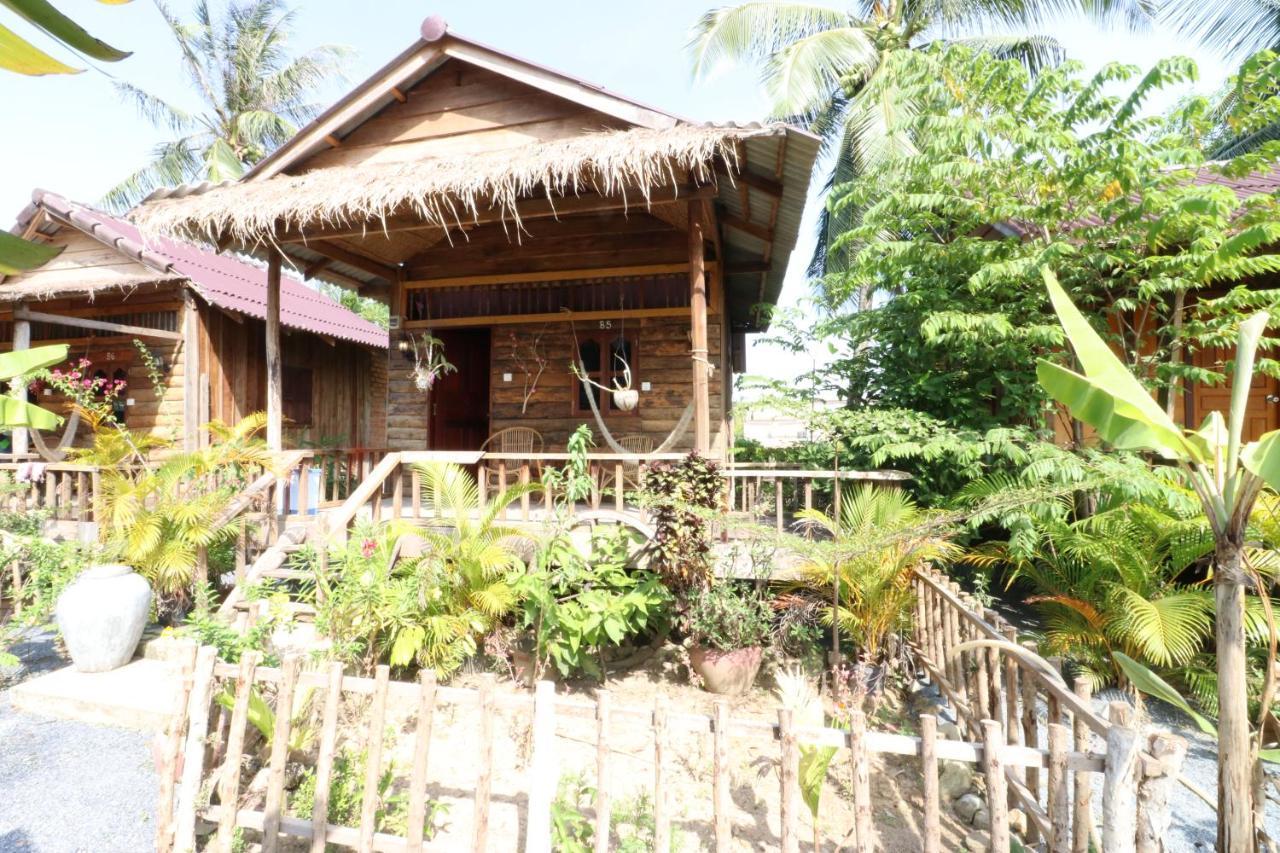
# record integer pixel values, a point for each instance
(1263, 411)
(459, 418)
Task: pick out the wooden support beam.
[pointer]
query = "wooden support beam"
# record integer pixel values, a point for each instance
(558, 317)
(316, 266)
(538, 208)
(332, 140)
(398, 95)
(549, 275)
(737, 223)
(343, 255)
(22, 314)
(755, 180)
(698, 324)
(275, 387)
(740, 267)
(190, 371)
(18, 388)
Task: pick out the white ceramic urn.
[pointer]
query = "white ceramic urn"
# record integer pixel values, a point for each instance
(102, 615)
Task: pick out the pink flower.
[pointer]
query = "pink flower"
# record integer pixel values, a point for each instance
(367, 547)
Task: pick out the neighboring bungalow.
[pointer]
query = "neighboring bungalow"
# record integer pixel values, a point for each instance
(201, 318)
(508, 210)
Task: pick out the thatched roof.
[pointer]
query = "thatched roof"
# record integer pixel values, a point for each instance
(448, 191)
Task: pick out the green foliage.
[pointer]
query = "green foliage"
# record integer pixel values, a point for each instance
(252, 95)
(428, 610)
(46, 568)
(728, 615)
(365, 307)
(579, 608)
(208, 630)
(679, 496)
(632, 826)
(861, 567)
(22, 57)
(156, 516)
(346, 797)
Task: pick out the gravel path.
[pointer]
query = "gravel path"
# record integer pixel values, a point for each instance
(67, 787)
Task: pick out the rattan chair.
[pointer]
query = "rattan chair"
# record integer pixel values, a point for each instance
(519, 440)
(634, 443)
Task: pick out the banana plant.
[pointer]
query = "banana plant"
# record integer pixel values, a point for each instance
(21, 56)
(1227, 475)
(14, 411)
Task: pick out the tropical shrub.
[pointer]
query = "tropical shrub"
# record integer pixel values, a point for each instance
(861, 566)
(728, 615)
(428, 610)
(679, 496)
(578, 608)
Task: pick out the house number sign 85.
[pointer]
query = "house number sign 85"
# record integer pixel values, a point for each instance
(606, 324)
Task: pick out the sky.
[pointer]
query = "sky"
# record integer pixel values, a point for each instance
(75, 136)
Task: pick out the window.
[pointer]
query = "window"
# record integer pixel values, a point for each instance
(605, 357)
(297, 395)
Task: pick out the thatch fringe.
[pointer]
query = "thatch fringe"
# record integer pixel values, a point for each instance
(448, 191)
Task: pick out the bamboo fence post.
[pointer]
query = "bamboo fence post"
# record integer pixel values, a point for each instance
(1119, 786)
(415, 496)
(1059, 809)
(997, 794)
(865, 839)
(193, 751)
(788, 776)
(1031, 722)
(324, 760)
(484, 782)
(929, 775)
(229, 791)
(1013, 724)
(421, 753)
(173, 749)
(543, 773)
(1159, 767)
(373, 759)
(602, 771)
(661, 814)
(1082, 820)
(279, 753)
(720, 779)
(1051, 698)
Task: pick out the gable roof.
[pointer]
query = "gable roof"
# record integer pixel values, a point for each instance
(220, 280)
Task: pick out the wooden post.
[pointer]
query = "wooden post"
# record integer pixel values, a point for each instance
(484, 779)
(1159, 768)
(661, 813)
(373, 762)
(931, 793)
(421, 751)
(229, 792)
(1059, 808)
(1119, 785)
(280, 737)
(789, 778)
(173, 750)
(544, 775)
(190, 371)
(720, 780)
(324, 761)
(603, 804)
(275, 375)
(18, 388)
(1082, 820)
(698, 323)
(864, 826)
(193, 752)
(997, 793)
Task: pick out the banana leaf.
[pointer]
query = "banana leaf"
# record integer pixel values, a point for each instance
(46, 17)
(20, 413)
(1262, 458)
(18, 255)
(1148, 682)
(24, 361)
(19, 55)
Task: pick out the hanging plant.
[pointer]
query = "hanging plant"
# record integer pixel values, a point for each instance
(429, 363)
(625, 397)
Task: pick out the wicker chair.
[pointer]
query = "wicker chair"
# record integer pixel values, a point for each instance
(523, 440)
(630, 470)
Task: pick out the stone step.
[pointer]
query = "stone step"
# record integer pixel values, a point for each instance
(138, 695)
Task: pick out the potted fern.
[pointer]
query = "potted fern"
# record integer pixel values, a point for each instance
(729, 626)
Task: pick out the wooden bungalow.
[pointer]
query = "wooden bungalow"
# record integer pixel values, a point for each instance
(184, 329)
(526, 219)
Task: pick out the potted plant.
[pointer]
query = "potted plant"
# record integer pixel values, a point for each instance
(728, 624)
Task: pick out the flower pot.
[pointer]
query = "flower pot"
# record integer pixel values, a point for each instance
(525, 666)
(726, 673)
(102, 615)
(626, 399)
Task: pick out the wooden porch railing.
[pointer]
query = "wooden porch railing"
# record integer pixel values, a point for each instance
(766, 492)
(1013, 685)
(65, 491)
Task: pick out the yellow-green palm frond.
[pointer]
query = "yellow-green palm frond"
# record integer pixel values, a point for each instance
(1169, 630)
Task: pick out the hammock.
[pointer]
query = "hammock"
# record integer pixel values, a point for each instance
(681, 425)
(59, 453)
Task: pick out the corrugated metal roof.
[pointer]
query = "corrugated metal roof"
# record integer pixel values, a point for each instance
(221, 280)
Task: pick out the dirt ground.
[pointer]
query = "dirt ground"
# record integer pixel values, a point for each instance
(754, 762)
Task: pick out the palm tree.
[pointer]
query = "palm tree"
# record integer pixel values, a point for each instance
(253, 95)
(817, 61)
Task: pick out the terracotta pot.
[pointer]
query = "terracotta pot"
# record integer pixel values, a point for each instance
(626, 399)
(101, 616)
(726, 673)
